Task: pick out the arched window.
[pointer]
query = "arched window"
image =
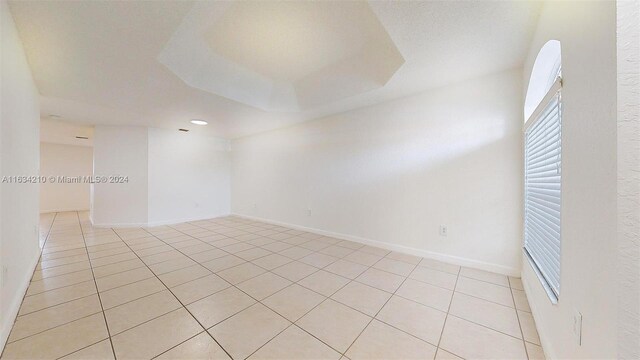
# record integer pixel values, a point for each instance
(543, 167)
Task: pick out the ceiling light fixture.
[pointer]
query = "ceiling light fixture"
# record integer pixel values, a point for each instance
(199, 122)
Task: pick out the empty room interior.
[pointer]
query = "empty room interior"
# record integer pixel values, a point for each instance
(320, 179)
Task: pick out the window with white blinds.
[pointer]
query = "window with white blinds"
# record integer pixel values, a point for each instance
(543, 189)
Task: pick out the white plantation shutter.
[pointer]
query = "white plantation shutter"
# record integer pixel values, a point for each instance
(542, 194)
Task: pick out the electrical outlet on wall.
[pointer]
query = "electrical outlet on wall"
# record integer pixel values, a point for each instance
(443, 230)
(577, 326)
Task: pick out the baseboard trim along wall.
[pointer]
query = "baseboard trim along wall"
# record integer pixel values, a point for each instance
(480, 265)
(17, 301)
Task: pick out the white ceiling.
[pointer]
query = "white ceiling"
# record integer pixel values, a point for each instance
(61, 132)
(248, 67)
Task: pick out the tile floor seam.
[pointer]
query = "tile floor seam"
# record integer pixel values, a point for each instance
(374, 317)
(104, 316)
(444, 324)
(524, 342)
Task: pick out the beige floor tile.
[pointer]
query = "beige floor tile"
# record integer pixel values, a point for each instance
(445, 355)
(347, 269)
(434, 277)
(293, 301)
(484, 290)
(58, 296)
(495, 316)
(253, 253)
(485, 276)
(521, 301)
(40, 274)
(245, 332)
(48, 318)
(171, 265)
(335, 324)
(63, 261)
(236, 248)
(381, 341)
(99, 351)
(64, 253)
(196, 248)
(535, 352)
(516, 283)
(418, 320)
(337, 251)
(200, 347)
(374, 250)
(113, 259)
(350, 244)
(222, 263)
(296, 252)
(394, 266)
(240, 273)
(276, 246)
(108, 252)
(314, 245)
(263, 285)
(111, 269)
(217, 307)
(318, 260)
(362, 297)
(182, 276)
(123, 278)
(295, 270)
(469, 340)
(55, 282)
(208, 255)
(126, 293)
(363, 258)
(381, 280)
(272, 261)
(59, 341)
(324, 282)
(426, 294)
(293, 344)
(411, 259)
(156, 336)
(528, 326)
(199, 288)
(164, 256)
(126, 316)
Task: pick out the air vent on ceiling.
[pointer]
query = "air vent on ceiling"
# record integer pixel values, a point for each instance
(82, 137)
(185, 130)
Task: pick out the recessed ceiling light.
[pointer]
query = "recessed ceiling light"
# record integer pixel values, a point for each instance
(199, 122)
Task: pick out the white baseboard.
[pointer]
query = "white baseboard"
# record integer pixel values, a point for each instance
(12, 312)
(456, 260)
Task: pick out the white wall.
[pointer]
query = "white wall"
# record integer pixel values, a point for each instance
(120, 150)
(173, 176)
(19, 151)
(628, 179)
(65, 160)
(189, 177)
(587, 32)
(394, 172)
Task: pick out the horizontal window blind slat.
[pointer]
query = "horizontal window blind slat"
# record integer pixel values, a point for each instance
(543, 191)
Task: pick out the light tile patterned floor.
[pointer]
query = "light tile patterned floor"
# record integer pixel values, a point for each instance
(231, 287)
